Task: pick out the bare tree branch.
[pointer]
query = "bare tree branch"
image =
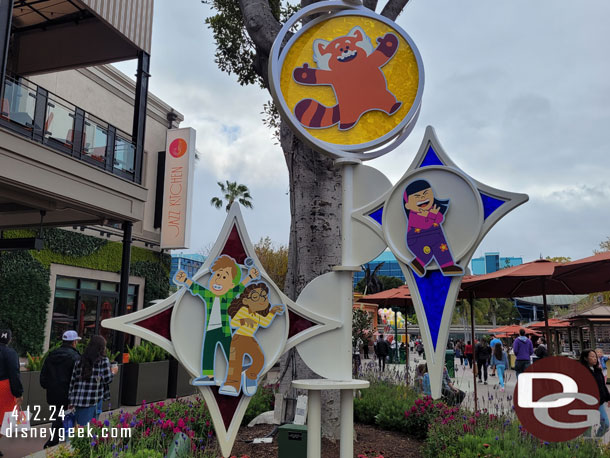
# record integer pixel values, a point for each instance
(393, 8)
(260, 23)
(370, 4)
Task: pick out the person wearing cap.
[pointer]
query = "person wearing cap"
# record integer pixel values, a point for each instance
(11, 390)
(55, 378)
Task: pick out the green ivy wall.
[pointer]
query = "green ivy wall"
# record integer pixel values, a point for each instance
(24, 278)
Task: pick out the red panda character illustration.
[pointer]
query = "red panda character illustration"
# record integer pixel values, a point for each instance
(353, 68)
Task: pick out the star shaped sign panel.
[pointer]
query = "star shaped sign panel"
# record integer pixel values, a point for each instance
(433, 219)
(228, 325)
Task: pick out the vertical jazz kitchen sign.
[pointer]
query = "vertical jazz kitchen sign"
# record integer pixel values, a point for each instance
(178, 188)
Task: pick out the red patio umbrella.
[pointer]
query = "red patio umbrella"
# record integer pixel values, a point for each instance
(397, 297)
(585, 276)
(530, 279)
(553, 323)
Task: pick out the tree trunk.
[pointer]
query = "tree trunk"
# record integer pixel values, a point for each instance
(314, 246)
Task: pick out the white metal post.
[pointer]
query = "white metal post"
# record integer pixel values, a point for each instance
(314, 424)
(347, 396)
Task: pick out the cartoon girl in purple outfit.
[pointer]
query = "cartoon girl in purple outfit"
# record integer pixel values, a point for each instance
(425, 236)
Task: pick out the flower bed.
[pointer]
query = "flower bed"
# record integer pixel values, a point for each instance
(464, 434)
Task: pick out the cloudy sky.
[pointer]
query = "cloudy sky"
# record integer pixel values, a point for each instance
(518, 92)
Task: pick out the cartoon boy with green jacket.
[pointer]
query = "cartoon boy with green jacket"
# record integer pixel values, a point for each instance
(224, 286)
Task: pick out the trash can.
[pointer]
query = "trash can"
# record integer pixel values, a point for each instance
(292, 441)
(450, 362)
(403, 356)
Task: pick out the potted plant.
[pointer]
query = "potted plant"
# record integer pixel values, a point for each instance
(179, 383)
(145, 377)
(35, 396)
(114, 400)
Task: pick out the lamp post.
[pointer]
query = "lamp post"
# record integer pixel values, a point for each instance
(396, 310)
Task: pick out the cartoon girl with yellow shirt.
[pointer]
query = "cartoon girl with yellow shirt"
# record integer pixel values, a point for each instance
(250, 311)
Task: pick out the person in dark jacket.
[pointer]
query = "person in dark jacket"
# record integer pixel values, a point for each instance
(382, 350)
(11, 390)
(55, 378)
(482, 355)
(588, 358)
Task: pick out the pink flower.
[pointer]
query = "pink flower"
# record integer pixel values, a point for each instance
(176, 430)
(181, 423)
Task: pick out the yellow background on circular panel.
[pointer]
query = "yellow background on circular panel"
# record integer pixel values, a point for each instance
(401, 73)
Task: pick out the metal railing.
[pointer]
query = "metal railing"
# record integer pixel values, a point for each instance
(44, 117)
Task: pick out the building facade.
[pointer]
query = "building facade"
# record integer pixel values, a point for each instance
(80, 148)
(190, 263)
(492, 262)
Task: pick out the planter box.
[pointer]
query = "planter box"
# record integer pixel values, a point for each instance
(145, 382)
(179, 383)
(114, 402)
(35, 398)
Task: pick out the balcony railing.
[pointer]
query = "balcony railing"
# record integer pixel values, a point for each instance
(44, 117)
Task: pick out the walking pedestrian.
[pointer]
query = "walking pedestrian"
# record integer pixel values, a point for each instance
(365, 349)
(492, 345)
(482, 354)
(499, 361)
(90, 379)
(55, 377)
(382, 350)
(468, 354)
(458, 352)
(588, 358)
(11, 390)
(523, 349)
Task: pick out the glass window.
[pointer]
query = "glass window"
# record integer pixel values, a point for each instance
(64, 306)
(106, 286)
(124, 155)
(95, 139)
(60, 121)
(88, 284)
(65, 282)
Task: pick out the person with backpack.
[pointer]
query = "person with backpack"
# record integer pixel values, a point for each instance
(523, 349)
(55, 378)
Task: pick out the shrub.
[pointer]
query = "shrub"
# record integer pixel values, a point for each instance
(483, 434)
(24, 299)
(262, 401)
(146, 352)
(153, 427)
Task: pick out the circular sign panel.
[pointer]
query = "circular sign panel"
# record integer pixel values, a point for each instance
(432, 219)
(349, 83)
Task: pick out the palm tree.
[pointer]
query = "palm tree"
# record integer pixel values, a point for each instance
(231, 192)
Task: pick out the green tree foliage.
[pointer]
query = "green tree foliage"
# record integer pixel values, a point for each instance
(603, 246)
(156, 279)
(274, 260)
(485, 311)
(231, 192)
(362, 326)
(558, 258)
(386, 282)
(24, 298)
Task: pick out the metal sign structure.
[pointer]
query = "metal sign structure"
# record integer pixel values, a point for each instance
(349, 83)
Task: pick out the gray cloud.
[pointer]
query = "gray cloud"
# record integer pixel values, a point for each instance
(518, 92)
